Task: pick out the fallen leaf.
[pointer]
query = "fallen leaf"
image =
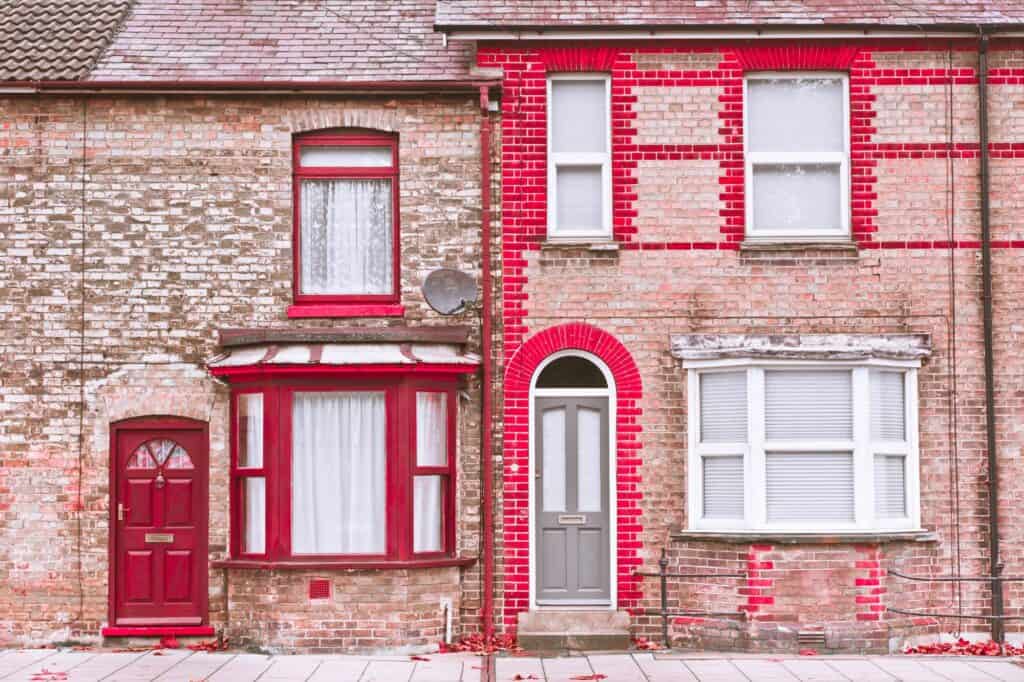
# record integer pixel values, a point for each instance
(595, 676)
(808, 652)
(418, 658)
(528, 676)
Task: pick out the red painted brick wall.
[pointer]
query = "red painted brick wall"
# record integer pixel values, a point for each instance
(678, 218)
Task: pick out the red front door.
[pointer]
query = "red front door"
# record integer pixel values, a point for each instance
(159, 521)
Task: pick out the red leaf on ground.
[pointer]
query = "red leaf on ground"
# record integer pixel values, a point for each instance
(170, 642)
(528, 676)
(808, 652)
(418, 658)
(962, 647)
(595, 676)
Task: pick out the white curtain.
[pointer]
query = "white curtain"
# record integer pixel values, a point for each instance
(427, 514)
(255, 494)
(250, 416)
(346, 237)
(338, 482)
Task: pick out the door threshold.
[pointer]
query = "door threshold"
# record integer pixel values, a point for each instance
(158, 631)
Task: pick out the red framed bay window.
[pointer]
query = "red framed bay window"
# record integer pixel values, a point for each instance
(353, 470)
(346, 222)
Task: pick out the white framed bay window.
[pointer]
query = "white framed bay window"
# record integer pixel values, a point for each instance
(797, 156)
(579, 157)
(803, 445)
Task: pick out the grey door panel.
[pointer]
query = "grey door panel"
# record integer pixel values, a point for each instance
(572, 507)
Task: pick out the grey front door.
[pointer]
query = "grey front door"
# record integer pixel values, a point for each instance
(572, 521)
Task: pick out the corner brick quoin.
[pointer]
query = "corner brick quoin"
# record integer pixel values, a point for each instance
(628, 391)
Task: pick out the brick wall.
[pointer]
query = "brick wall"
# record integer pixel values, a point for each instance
(678, 222)
(134, 228)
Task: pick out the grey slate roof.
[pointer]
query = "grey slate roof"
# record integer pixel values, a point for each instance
(55, 39)
(309, 40)
(609, 13)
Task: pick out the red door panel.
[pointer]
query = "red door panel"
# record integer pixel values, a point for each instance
(159, 525)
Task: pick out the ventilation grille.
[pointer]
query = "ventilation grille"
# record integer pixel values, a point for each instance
(319, 589)
(809, 640)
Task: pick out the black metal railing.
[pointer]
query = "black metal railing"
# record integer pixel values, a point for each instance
(663, 575)
(996, 581)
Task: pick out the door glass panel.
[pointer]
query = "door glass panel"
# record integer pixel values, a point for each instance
(141, 459)
(553, 459)
(179, 459)
(588, 459)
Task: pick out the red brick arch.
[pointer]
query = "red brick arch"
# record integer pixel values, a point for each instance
(628, 391)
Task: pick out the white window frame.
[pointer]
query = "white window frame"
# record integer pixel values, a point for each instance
(753, 451)
(752, 159)
(559, 159)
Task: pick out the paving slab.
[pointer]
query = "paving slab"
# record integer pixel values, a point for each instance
(242, 668)
(389, 671)
(19, 659)
(149, 666)
(340, 670)
(445, 668)
(564, 669)
(765, 670)
(62, 662)
(1000, 670)
(814, 670)
(199, 666)
(711, 670)
(617, 667)
(663, 670)
(909, 670)
(506, 669)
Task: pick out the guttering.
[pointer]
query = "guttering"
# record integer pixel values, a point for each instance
(996, 563)
(265, 87)
(486, 408)
(722, 32)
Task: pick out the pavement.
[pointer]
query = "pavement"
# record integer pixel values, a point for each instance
(46, 665)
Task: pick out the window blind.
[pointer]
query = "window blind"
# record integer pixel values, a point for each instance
(723, 403)
(723, 487)
(808, 404)
(888, 408)
(578, 116)
(809, 487)
(890, 486)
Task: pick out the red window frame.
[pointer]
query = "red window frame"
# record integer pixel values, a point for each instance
(400, 406)
(300, 173)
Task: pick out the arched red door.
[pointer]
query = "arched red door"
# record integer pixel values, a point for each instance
(159, 523)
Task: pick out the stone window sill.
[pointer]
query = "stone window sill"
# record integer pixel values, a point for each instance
(584, 244)
(765, 246)
(779, 538)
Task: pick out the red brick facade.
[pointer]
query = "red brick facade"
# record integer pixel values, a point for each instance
(680, 266)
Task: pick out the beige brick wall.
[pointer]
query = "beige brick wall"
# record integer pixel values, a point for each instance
(187, 207)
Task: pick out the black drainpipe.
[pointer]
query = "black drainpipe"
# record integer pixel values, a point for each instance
(986, 300)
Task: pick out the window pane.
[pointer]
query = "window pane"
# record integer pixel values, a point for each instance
(723, 407)
(431, 429)
(338, 463)
(588, 459)
(346, 237)
(808, 404)
(249, 430)
(579, 199)
(254, 502)
(723, 487)
(797, 197)
(795, 115)
(888, 410)
(553, 459)
(345, 155)
(810, 487)
(571, 371)
(427, 514)
(890, 487)
(578, 118)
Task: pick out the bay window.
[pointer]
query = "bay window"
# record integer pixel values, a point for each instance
(579, 157)
(344, 470)
(803, 446)
(797, 153)
(346, 218)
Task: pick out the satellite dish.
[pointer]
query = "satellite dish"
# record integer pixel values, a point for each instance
(448, 291)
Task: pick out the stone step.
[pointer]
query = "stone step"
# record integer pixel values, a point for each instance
(574, 630)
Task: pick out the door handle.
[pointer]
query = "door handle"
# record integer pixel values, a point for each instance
(121, 509)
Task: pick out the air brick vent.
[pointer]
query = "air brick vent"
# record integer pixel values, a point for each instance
(319, 589)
